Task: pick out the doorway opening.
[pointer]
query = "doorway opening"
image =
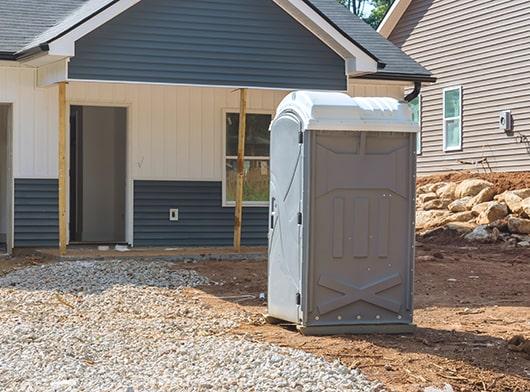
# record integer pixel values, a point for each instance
(6, 182)
(97, 174)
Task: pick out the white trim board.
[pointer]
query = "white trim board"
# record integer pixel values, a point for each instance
(392, 17)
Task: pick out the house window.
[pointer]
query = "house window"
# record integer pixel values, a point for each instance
(415, 108)
(257, 157)
(452, 115)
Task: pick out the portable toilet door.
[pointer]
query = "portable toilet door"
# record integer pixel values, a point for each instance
(342, 214)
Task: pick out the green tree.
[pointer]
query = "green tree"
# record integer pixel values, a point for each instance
(378, 11)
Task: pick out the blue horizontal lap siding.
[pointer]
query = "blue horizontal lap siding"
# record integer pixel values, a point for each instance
(213, 42)
(203, 221)
(36, 213)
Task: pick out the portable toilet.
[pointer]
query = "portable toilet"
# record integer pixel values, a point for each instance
(342, 211)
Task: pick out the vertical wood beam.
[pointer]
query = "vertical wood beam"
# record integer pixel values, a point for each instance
(62, 169)
(240, 168)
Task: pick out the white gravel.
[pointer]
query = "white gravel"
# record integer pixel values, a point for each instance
(125, 326)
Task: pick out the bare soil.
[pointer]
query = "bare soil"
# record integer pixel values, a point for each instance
(470, 301)
(501, 181)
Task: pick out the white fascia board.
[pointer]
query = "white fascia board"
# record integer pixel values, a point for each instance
(392, 17)
(358, 62)
(65, 45)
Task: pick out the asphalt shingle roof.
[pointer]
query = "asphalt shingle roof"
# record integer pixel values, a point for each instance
(23, 20)
(396, 61)
(24, 23)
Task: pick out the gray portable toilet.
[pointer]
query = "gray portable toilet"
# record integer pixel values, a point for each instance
(342, 209)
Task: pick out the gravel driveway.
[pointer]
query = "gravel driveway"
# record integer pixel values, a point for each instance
(125, 326)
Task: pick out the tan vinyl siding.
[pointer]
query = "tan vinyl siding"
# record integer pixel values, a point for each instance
(483, 46)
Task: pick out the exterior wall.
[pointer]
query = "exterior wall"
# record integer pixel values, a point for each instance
(485, 49)
(372, 88)
(203, 221)
(34, 122)
(174, 134)
(223, 43)
(36, 213)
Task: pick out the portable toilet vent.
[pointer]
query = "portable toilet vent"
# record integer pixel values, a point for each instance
(342, 214)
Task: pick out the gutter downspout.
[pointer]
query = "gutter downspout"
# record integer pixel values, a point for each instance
(414, 93)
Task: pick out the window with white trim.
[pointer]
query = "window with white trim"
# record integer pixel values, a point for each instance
(452, 118)
(257, 157)
(415, 108)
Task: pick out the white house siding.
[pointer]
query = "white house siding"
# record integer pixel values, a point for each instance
(484, 46)
(34, 122)
(175, 133)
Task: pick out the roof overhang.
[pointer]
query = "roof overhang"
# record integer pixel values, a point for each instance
(392, 17)
(59, 42)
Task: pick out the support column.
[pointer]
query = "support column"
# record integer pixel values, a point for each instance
(240, 168)
(62, 169)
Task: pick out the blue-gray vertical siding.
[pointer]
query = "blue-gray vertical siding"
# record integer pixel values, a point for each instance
(203, 221)
(36, 213)
(250, 43)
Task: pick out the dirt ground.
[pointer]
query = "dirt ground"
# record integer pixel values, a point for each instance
(469, 302)
(501, 181)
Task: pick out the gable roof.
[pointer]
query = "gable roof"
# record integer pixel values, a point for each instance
(30, 25)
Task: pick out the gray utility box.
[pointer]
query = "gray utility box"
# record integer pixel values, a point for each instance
(341, 239)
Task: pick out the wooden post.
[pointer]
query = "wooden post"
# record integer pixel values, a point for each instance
(240, 168)
(62, 168)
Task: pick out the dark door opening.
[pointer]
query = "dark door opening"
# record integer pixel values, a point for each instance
(97, 174)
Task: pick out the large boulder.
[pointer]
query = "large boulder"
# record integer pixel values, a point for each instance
(459, 205)
(525, 207)
(478, 208)
(429, 219)
(512, 200)
(519, 225)
(447, 191)
(461, 227)
(492, 213)
(471, 187)
(425, 197)
(464, 216)
(436, 204)
(434, 187)
(484, 234)
(483, 196)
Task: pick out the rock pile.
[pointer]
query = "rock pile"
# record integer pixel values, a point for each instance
(474, 209)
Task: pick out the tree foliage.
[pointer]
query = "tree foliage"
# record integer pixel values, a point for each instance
(378, 9)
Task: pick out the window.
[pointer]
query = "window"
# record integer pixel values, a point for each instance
(452, 115)
(415, 108)
(256, 168)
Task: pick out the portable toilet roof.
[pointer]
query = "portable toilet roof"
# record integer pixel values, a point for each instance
(339, 112)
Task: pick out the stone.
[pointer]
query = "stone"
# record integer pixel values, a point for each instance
(461, 227)
(522, 193)
(519, 225)
(483, 234)
(447, 191)
(477, 209)
(464, 216)
(423, 189)
(434, 187)
(425, 197)
(459, 205)
(492, 213)
(525, 207)
(524, 244)
(471, 187)
(483, 196)
(512, 200)
(436, 204)
(429, 219)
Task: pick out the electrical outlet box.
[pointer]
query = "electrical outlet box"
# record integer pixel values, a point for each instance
(174, 214)
(506, 121)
